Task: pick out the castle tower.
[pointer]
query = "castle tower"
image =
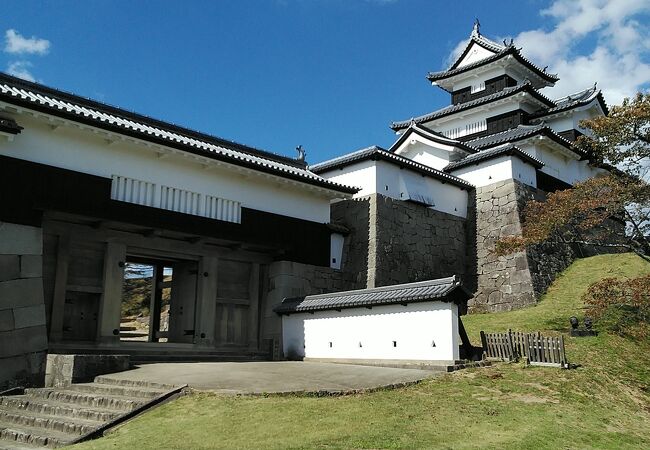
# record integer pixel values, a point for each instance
(521, 143)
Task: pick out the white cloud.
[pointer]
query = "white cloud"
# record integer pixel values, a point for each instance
(15, 43)
(602, 41)
(20, 69)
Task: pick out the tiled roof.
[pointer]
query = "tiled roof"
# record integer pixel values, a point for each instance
(517, 134)
(376, 152)
(575, 100)
(78, 109)
(434, 136)
(440, 289)
(508, 50)
(492, 153)
(452, 109)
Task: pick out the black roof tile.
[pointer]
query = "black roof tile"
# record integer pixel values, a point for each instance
(440, 289)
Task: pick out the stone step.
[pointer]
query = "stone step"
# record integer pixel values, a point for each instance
(54, 408)
(22, 434)
(145, 394)
(68, 425)
(13, 445)
(108, 379)
(113, 402)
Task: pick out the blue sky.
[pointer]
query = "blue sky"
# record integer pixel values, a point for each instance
(328, 74)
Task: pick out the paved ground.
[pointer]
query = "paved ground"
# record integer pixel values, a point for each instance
(272, 377)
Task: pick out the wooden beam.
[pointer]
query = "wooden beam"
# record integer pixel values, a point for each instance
(111, 299)
(253, 309)
(155, 304)
(168, 246)
(60, 288)
(206, 295)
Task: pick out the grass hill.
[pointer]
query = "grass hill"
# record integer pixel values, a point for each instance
(603, 404)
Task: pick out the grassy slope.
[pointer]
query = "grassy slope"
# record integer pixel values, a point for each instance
(603, 404)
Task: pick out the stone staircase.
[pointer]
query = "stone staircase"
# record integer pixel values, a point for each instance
(54, 417)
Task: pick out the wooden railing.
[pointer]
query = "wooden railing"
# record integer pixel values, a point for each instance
(537, 349)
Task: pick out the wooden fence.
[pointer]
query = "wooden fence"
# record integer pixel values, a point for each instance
(537, 349)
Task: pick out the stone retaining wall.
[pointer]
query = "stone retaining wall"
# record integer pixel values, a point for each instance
(519, 279)
(291, 279)
(414, 243)
(23, 335)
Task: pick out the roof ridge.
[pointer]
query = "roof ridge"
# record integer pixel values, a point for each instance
(352, 157)
(494, 152)
(435, 282)
(34, 96)
(451, 109)
(123, 113)
(510, 49)
(344, 156)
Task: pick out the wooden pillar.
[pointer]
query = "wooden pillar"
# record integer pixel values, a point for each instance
(206, 301)
(111, 301)
(253, 310)
(155, 304)
(60, 288)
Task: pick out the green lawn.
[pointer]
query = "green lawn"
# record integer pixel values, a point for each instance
(603, 404)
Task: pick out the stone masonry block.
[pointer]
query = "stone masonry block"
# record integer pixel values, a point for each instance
(6, 320)
(31, 266)
(29, 316)
(23, 341)
(20, 239)
(21, 293)
(9, 267)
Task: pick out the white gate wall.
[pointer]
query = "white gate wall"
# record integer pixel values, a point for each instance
(426, 331)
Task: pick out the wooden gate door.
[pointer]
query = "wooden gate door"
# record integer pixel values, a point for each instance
(182, 303)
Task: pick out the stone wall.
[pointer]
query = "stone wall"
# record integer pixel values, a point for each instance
(545, 261)
(291, 279)
(516, 280)
(414, 243)
(504, 282)
(23, 335)
(355, 215)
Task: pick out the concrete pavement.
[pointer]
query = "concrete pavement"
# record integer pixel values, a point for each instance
(272, 376)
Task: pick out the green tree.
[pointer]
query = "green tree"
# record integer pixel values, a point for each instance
(591, 212)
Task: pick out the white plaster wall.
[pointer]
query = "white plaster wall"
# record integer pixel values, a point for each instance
(425, 152)
(414, 327)
(83, 151)
(524, 172)
(571, 119)
(472, 78)
(476, 53)
(395, 182)
(560, 166)
(361, 175)
(475, 114)
(487, 172)
(336, 250)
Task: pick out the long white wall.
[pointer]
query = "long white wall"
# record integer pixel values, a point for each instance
(84, 151)
(381, 177)
(424, 152)
(498, 169)
(401, 183)
(426, 331)
(560, 166)
(362, 174)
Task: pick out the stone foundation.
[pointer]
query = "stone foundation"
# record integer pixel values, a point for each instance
(291, 279)
(519, 279)
(394, 241)
(414, 243)
(63, 370)
(23, 335)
